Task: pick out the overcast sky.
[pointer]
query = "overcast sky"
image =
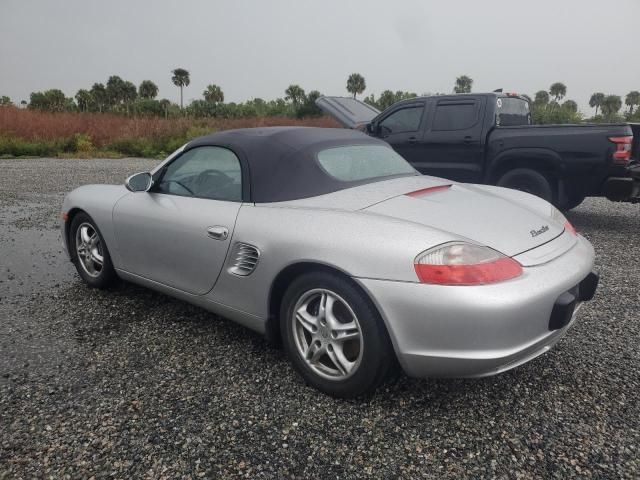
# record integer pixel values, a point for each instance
(256, 48)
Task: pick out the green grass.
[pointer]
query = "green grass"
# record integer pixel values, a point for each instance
(80, 146)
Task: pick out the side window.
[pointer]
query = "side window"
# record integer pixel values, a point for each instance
(455, 116)
(204, 172)
(405, 120)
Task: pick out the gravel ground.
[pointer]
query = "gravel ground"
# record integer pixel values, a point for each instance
(132, 384)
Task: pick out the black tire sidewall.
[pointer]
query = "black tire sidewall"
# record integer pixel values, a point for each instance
(378, 358)
(572, 202)
(530, 181)
(107, 275)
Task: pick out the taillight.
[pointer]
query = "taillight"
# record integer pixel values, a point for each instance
(622, 153)
(570, 228)
(459, 263)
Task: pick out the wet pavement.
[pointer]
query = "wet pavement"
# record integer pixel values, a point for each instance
(128, 383)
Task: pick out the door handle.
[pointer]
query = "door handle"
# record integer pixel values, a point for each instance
(412, 139)
(218, 232)
(468, 139)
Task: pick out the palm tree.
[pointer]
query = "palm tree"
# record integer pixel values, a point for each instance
(295, 94)
(596, 101)
(98, 96)
(570, 105)
(180, 79)
(165, 104)
(83, 99)
(356, 84)
(463, 84)
(129, 94)
(541, 98)
(387, 98)
(115, 86)
(213, 94)
(558, 90)
(611, 105)
(632, 99)
(147, 90)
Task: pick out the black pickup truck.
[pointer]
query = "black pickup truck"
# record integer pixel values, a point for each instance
(488, 138)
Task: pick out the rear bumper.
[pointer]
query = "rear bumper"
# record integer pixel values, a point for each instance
(444, 331)
(623, 189)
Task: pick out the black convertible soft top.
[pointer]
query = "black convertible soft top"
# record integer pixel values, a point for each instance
(281, 161)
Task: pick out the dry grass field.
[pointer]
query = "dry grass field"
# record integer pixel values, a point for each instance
(34, 133)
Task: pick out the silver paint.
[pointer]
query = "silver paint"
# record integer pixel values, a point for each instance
(371, 233)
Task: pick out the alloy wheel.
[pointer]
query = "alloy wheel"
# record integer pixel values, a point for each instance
(327, 334)
(89, 249)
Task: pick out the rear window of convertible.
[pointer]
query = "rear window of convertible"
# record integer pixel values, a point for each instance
(362, 162)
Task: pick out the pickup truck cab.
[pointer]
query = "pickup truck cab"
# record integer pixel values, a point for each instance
(488, 138)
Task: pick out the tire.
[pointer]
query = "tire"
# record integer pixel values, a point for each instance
(339, 367)
(530, 181)
(89, 252)
(572, 202)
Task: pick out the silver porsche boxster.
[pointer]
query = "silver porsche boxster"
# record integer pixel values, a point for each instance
(330, 242)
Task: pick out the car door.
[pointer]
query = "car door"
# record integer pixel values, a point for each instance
(178, 233)
(402, 129)
(453, 145)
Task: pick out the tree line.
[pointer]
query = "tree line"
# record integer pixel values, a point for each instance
(124, 97)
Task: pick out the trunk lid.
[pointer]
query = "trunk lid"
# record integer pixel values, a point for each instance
(349, 112)
(478, 215)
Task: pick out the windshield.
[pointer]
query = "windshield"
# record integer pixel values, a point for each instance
(512, 111)
(362, 162)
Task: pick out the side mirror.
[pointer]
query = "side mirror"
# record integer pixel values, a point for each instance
(139, 182)
(375, 129)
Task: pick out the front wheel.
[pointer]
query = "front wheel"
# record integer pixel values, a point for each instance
(334, 336)
(528, 180)
(89, 253)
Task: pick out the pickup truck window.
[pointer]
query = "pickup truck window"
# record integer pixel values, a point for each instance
(512, 111)
(404, 120)
(455, 115)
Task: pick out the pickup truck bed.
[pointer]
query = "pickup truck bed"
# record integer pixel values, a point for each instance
(488, 138)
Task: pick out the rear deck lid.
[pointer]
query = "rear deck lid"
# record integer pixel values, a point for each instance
(349, 112)
(478, 215)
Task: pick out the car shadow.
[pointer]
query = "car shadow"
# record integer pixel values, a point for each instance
(599, 221)
(141, 317)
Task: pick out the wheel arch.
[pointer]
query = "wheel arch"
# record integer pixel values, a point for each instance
(71, 214)
(282, 281)
(539, 159)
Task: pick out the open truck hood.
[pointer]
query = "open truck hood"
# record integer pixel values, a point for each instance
(481, 216)
(349, 112)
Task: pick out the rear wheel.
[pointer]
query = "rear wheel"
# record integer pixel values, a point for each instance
(334, 336)
(89, 251)
(528, 180)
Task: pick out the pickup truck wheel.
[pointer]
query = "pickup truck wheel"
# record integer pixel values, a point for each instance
(527, 180)
(572, 202)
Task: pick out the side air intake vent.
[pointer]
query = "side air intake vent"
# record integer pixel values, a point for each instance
(244, 259)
